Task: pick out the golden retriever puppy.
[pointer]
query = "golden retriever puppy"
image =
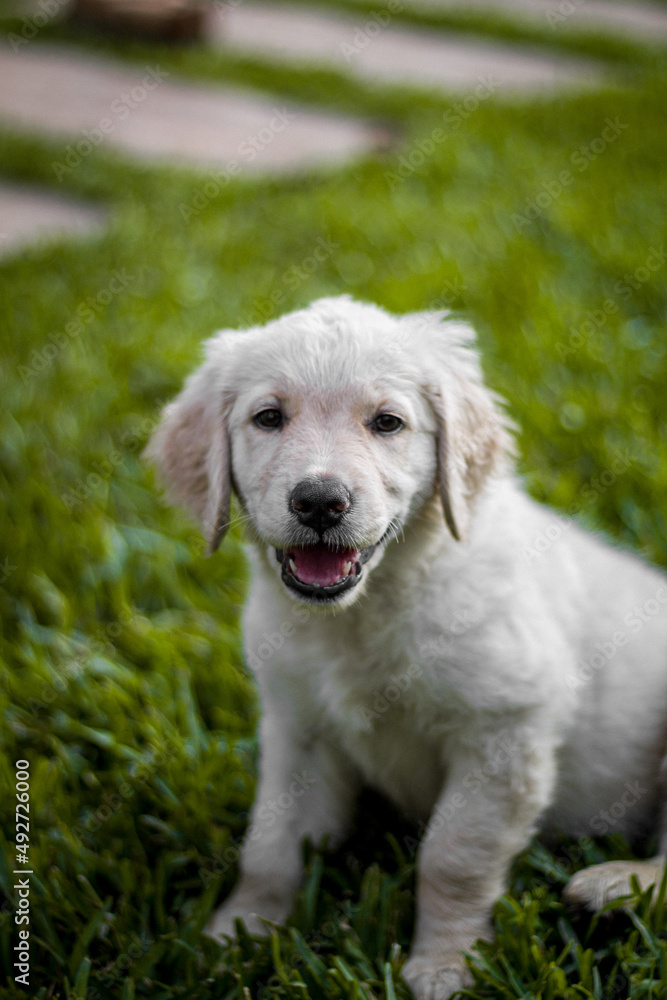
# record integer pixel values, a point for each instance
(408, 626)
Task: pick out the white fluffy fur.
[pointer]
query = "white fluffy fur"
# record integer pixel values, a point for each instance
(486, 688)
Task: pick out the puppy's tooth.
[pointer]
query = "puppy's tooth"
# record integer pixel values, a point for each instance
(292, 566)
(346, 568)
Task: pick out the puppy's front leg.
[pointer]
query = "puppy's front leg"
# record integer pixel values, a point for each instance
(306, 789)
(485, 816)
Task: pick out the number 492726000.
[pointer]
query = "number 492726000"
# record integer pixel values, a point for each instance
(22, 811)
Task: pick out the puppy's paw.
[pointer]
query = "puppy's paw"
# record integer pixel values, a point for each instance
(593, 887)
(433, 979)
(253, 913)
(222, 921)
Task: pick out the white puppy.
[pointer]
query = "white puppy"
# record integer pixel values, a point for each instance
(407, 624)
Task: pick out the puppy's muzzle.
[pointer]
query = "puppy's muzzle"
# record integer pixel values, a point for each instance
(323, 570)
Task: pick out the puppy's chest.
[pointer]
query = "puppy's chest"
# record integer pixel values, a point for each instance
(381, 715)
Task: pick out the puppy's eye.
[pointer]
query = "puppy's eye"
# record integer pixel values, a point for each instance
(387, 423)
(269, 419)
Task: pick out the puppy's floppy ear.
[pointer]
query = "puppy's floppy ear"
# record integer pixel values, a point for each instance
(474, 439)
(191, 451)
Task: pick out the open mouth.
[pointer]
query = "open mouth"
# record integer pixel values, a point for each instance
(321, 572)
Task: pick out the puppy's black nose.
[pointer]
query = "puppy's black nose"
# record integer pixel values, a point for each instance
(319, 503)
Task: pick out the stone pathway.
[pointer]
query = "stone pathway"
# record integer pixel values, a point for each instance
(393, 53)
(32, 215)
(150, 115)
(147, 114)
(641, 21)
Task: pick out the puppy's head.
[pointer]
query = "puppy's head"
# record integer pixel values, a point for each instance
(335, 425)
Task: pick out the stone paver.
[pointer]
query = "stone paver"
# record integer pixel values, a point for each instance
(642, 21)
(150, 115)
(29, 215)
(393, 53)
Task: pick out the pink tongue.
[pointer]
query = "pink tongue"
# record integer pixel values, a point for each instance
(320, 565)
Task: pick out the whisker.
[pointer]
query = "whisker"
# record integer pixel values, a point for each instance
(394, 528)
(236, 520)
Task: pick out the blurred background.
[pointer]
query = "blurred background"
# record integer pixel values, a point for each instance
(171, 168)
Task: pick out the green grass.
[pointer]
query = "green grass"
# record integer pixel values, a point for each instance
(122, 675)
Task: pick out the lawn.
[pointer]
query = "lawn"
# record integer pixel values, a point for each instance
(122, 678)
